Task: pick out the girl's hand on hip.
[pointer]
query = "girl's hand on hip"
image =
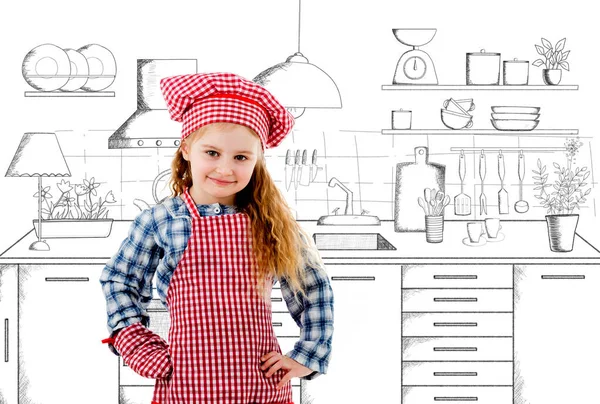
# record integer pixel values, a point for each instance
(273, 361)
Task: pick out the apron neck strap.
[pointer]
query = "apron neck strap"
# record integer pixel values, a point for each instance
(191, 205)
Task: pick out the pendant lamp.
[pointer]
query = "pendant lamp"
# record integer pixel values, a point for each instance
(298, 84)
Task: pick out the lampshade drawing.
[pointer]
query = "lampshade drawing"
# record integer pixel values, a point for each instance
(39, 155)
(299, 84)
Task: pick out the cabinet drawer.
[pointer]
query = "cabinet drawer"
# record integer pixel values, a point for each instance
(285, 326)
(438, 395)
(457, 349)
(452, 300)
(457, 373)
(278, 304)
(457, 276)
(457, 324)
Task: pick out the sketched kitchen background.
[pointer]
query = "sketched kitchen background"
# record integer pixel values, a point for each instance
(352, 44)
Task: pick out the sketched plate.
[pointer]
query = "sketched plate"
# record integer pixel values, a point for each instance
(46, 67)
(510, 124)
(79, 67)
(102, 67)
(517, 117)
(515, 110)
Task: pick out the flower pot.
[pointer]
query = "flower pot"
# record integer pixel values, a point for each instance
(74, 228)
(561, 231)
(434, 228)
(552, 76)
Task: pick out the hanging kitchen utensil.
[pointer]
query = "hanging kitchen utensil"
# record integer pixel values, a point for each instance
(297, 168)
(462, 201)
(482, 197)
(314, 168)
(503, 206)
(305, 170)
(521, 206)
(411, 179)
(289, 169)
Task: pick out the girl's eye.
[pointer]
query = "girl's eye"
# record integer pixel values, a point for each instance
(241, 158)
(212, 153)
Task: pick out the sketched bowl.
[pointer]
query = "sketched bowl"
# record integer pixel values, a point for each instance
(454, 120)
(514, 124)
(414, 36)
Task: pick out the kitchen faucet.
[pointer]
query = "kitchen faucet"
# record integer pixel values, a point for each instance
(349, 198)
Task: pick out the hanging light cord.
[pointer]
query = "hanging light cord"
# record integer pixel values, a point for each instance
(299, 14)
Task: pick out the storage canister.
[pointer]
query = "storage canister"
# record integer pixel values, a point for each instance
(483, 68)
(515, 72)
(401, 119)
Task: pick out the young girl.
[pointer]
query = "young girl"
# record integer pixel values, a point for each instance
(216, 248)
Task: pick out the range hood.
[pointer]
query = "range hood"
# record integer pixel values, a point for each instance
(151, 126)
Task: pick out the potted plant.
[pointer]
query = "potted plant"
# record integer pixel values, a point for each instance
(567, 192)
(555, 59)
(77, 212)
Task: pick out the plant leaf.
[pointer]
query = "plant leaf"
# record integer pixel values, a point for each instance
(538, 63)
(564, 65)
(560, 45)
(556, 166)
(540, 50)
(565, 55)
(546, 44)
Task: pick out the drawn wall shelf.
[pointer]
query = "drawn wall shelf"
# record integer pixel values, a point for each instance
(406, 87)
(541, 132)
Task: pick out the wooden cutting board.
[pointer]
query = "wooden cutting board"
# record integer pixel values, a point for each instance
(411, 180)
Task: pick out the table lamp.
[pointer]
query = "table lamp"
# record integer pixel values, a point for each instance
(39, 155)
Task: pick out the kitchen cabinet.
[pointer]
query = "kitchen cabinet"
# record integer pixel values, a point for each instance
(62, 320)
(556, 333)
(8, 317)
(457, 333)
(365, 359)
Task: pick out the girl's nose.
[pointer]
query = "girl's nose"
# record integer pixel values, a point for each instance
(224, 169)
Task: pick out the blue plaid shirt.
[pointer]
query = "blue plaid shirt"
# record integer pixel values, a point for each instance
(155, 244)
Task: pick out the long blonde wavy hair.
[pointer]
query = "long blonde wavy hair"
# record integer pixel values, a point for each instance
(281, 247)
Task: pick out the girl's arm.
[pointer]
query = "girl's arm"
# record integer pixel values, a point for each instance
(314, 316)
(127, 277)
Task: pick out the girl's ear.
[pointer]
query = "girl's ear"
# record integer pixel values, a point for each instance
(185, 150)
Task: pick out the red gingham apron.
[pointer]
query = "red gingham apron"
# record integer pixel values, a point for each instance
(220, 327)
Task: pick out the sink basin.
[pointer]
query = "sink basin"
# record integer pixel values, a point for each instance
(351, 220)
(351, 241)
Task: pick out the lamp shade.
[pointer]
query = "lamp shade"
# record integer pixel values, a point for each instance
(296, 83)
(38, 155)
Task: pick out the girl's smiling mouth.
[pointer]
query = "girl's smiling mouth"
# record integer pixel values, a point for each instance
(221, 182)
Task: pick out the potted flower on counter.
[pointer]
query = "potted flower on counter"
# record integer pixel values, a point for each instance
(568, 192)
(77, 212)
(555, 59)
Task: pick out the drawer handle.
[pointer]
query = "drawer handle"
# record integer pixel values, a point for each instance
(456, 299)
(454, 349)
(352, 278)
(455, 324)
(277, 299)
(563, 276)
(454, 276)
(67, 279)
(5, 340)
(455, 373)
(277, 324)
(455, 399)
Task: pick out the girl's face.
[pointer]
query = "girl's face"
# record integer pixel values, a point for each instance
(222, 161)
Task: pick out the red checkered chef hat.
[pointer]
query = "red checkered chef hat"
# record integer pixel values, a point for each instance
(205, 98)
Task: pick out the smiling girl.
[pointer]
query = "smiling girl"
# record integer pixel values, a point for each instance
(216, 247)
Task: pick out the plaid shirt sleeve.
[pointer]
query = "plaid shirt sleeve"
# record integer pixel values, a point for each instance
(127, 277)
(314, 316)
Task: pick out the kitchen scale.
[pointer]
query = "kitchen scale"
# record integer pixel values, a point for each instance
(415, 66)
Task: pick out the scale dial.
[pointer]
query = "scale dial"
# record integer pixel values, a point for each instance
(415, 68)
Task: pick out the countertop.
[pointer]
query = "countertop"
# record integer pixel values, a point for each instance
(525, 242)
